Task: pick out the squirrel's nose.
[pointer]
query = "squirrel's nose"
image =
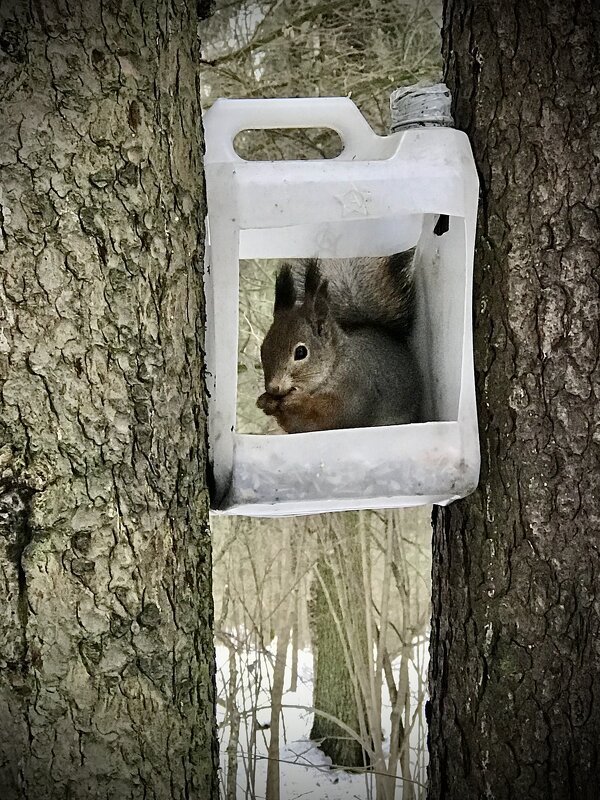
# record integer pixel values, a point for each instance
(278, 388)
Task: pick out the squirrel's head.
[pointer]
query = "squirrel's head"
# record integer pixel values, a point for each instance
(300, 348)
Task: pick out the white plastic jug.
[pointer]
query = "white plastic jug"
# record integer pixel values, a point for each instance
(379, 196)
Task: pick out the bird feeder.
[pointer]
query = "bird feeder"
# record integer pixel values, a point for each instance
(381, 195)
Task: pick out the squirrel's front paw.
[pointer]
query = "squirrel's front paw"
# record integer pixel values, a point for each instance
(290, 411)
(268, 403)
(287, 409)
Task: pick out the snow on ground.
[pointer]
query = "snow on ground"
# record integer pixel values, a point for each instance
(304, 771)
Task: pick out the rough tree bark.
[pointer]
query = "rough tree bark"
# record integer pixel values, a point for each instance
(106, 654)
(515, 658)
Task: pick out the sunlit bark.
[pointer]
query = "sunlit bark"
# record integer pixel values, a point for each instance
(106, 655)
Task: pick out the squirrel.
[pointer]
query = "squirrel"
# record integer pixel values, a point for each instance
(336, 354)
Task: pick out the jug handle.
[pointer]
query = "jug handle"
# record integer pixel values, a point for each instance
(226, 118)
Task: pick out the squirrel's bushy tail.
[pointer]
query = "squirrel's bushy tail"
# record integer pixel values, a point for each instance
(367, 291)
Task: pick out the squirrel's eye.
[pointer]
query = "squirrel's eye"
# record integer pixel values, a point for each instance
(300, 352)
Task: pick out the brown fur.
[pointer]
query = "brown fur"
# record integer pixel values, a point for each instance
(298, 412)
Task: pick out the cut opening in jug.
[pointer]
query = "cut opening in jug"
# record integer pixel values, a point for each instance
(433, 335)
(287, 144)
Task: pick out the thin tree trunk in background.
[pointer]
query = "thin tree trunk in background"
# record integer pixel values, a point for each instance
(334, 688)
(283, 638)
(408, 789)
(233, 715)
(515, 660)
(106, 653)
(295, 644)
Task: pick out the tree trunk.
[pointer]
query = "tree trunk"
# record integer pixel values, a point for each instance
(515, 660)
(106, 654)
(335, 689)
(277, 689)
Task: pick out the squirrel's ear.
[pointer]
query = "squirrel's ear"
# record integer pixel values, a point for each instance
(316, 299)
(312, 277)
(321, 305)
(285, 293)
